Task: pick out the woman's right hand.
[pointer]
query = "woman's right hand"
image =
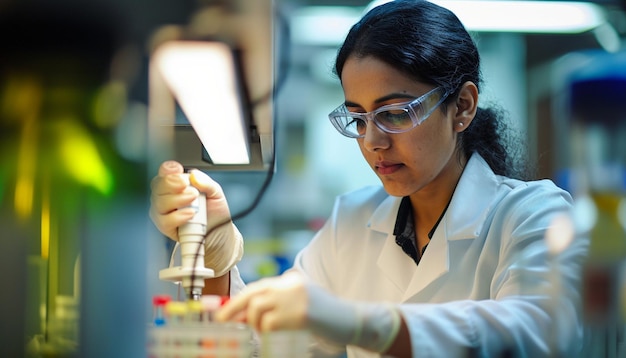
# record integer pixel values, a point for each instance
(169, 208)
(170, 199)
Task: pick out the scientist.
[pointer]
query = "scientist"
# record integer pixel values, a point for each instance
(448, 258)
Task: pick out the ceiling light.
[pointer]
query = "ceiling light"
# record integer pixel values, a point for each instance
(328, 25)
(526, 16)
(202, 76)
(323, 25)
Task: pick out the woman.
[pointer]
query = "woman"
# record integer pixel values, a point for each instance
(448, 258)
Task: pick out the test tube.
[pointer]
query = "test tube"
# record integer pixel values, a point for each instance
(158, 312)
(194, 311)
(175, 312)
(210, 304)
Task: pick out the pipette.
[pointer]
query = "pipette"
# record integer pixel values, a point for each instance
(192, 272)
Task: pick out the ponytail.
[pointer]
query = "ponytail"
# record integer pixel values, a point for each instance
(490, 136)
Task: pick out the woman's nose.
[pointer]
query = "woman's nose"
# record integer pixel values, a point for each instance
(375, 138)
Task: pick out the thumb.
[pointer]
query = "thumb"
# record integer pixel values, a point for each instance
(170, 167)
(205, 184)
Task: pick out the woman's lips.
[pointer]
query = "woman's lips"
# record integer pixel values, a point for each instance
(386, 168)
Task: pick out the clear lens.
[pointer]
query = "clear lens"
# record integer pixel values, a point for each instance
(350, 125)
(354, 125)
(394, 118)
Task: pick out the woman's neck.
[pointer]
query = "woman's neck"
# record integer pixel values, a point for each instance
(429, 203)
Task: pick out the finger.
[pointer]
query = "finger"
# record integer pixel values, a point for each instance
(258, 307)
(232, 309)
(269, 323)
(166, 203)
(169, 223)
(239, 303)
(205, 184)
(170, 167)
(240, 317)
(273, 321)
(171, 217)
(168, 184)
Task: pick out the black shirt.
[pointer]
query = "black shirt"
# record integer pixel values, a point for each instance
(404, 230)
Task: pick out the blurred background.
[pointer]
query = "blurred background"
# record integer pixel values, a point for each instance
(77, 157)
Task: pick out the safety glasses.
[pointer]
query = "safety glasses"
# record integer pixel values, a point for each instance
(393, 118)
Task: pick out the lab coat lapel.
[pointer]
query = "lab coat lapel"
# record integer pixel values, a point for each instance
(392, 261)
(433, 265)
(463, 220)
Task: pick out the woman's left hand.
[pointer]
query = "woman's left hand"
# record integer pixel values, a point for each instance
(290, 302)
(270, 304)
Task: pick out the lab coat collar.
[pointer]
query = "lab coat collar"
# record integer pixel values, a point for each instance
(471, 201)
(463, 220)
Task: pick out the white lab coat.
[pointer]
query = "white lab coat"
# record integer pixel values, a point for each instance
(483, 288)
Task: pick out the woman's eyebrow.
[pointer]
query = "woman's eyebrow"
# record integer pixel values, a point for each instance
(383, 99)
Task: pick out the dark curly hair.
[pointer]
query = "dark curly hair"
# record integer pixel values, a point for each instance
(428, 43)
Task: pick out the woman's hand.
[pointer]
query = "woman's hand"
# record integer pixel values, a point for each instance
(270, 304)
(173, 191)
(172, 194)
(170, 199)
(290, 302)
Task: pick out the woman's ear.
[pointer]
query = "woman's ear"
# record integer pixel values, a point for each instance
(466, 106)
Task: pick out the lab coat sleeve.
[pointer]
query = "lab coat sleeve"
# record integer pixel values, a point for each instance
(532, 311)
(236, 282)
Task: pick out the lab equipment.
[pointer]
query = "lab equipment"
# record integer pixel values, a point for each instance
(285, 344)
(187, 331)
(597, 89)
(192, 271)
(210, 304)
(597, 94)
(158, 303)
